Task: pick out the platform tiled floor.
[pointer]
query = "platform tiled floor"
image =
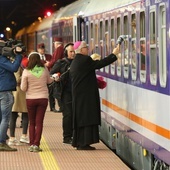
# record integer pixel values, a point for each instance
(56, 155)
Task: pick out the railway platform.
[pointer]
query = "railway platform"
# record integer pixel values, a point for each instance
(59, 156)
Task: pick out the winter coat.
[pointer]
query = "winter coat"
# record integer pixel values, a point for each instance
(7, 69)
(62, 66)
(85, 93)
(19, 96)
(58, 54)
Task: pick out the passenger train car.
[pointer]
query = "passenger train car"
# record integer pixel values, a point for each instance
(135, 105)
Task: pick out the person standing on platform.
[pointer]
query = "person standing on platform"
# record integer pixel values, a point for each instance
(85, 95)
(47, 58)
(58, 54)
(7, 85)
(62, 66)
(19, 106)
(34, 82)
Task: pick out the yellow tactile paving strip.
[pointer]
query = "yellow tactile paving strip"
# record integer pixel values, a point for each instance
(59, 156)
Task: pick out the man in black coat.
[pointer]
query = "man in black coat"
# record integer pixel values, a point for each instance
(62, 66)
(85, 96)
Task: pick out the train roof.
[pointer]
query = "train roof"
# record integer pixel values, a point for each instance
(78, 8)
(29, 29)
(46, 23)
(89, 7)
(71, 10)
(95, 7)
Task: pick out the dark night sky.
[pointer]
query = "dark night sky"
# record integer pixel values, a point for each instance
(24, 12)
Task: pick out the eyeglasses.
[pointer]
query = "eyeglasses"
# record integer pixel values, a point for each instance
(85, 47)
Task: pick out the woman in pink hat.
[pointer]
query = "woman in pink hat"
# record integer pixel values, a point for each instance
(86, 101)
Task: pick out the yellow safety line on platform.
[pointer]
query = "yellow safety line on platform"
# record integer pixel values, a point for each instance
(47, 157)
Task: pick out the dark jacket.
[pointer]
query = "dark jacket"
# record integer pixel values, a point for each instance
(58, 54)
(85, 96)
(62, 66)
(7, 69)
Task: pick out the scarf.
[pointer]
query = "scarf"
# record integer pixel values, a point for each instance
(37, 71)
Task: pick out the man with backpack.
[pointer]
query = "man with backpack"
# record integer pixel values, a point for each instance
(63, 90)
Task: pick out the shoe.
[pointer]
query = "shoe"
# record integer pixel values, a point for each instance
(21, 124)
(37, 149)
(24, 139)
(31, 148)
(68, 141)
(5, 147)
(54, 110)
(59, 110)
(87, 147)
(7, 137)
(13, 142)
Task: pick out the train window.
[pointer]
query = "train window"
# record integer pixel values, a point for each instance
(133, 25)
(142, 55)
(106, 38)
(106, 26)
(162, 46)
(142, 24)
(70, 25)
(91, 48)
(107, 49)
(96, 33)
(112, 31)
(82, 31)
(87, 33)
(133, 46)
(101, 48)
(125, 51)
(75, 33)
(101, 30)
(152, 51)
(42, 37)
(119, 56)
(91, 30)
(118, 27)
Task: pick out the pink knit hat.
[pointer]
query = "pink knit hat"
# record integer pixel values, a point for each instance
(79, 44)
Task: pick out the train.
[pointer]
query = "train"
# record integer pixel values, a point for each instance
(135, 105)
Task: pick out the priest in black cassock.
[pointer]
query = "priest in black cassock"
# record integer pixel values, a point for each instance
(86, 100)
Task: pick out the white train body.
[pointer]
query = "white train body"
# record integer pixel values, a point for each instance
(135, 105)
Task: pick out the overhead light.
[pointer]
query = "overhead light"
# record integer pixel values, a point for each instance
(8, 29)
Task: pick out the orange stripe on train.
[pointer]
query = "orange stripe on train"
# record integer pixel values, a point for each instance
(152, 127)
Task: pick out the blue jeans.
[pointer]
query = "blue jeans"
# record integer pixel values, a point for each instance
(6, 103)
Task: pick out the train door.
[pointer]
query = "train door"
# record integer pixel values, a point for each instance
(142, 55)
(133, 47)
(112, 46)
(162, 45)
(119, 56)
